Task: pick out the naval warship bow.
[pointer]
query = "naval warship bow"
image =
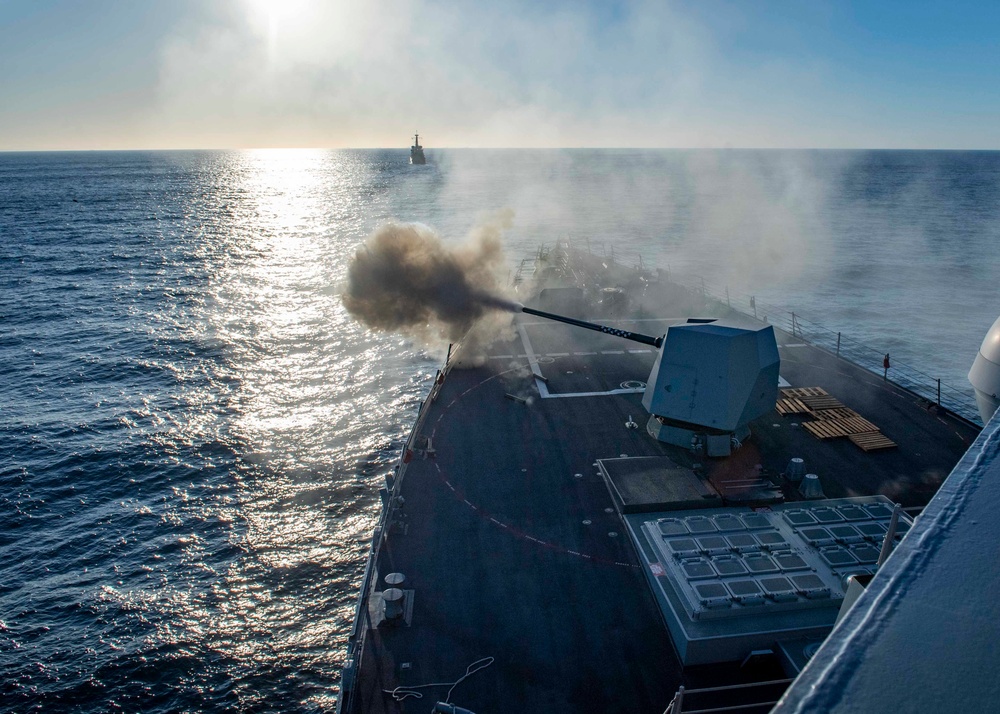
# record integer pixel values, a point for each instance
(644, 500)
(417, 151)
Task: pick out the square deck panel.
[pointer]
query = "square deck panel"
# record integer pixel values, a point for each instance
(780, 575)
(872, 530)
(845, 534)
(838, 556)
(761, 564)
(696, 571)
(827, 515)
(713, 595)
(726, 568)
(866, 553)
(672, 527)
(728, 522)
(816, 535)
(879, 510)
(811, 586)
(683, 546)
(853, 513)
(744, 588)
(712, 545)
(790, 562)
(655, 483)
(743, 543)
(799, 518)
(754, 521)
(771, 539)
(777, 586)
(700, 524)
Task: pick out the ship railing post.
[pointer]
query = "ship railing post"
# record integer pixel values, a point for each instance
(838, 344)
(675, 704)
(939, 391)
(890, 536)
(793, 325)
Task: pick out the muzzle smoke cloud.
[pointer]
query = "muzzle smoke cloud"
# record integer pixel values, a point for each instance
(404, 279)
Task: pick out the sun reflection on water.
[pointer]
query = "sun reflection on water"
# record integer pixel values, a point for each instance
(278, 538)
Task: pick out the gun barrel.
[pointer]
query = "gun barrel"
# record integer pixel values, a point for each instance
(634, 336)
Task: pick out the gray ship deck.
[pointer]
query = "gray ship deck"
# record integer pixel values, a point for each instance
(511, 543)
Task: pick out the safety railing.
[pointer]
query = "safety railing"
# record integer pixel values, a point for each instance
(357, 638)
(959, 401)
(750, 697)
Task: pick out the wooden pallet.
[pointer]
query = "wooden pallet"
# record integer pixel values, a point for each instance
(821, 402)
(834, 428)
(824, 429)
(835, 413)
(791, 406)
(791, 393)
(872, 441)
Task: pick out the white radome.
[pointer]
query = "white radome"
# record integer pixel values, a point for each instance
(985, 373)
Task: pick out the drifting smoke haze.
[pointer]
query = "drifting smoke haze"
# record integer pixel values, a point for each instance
(406, 280)
(745, 219)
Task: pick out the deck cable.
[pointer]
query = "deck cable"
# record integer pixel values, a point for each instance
(402, 693)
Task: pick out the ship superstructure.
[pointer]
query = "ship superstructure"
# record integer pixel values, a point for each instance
(556, 538)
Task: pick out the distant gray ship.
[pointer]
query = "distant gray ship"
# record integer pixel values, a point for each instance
(603, 520)
(417, 151)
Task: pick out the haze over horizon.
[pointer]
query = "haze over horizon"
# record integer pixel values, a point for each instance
(107, 74)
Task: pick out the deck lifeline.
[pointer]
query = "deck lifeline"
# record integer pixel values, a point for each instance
(513, 549)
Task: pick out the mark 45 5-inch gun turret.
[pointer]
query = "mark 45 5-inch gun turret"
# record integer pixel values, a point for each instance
(711, 378)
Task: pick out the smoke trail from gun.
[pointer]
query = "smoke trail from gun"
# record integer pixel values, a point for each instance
(404, 279)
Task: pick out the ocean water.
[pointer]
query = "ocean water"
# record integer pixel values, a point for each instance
(193, 431)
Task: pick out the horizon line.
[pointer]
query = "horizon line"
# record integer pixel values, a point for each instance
(491, 148)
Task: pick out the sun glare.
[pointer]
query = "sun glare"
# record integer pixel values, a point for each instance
(275, 19)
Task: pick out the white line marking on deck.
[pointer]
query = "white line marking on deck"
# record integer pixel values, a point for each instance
(639, 352)
(570, 395)
(795, 344)
(584, 354)
(543, 390)
(504, 356)
(612, 352)
(449, 485)
(557, 354)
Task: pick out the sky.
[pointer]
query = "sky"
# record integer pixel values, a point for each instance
(172, 74)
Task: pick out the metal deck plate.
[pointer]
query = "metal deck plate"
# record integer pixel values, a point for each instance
(725, 590)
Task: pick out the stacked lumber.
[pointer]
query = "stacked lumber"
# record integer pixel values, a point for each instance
(833, 428)
(835, 413)
(832, 420)
(791, 406)
(872, 441)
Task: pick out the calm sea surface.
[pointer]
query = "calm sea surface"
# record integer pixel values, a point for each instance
(193, 431)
